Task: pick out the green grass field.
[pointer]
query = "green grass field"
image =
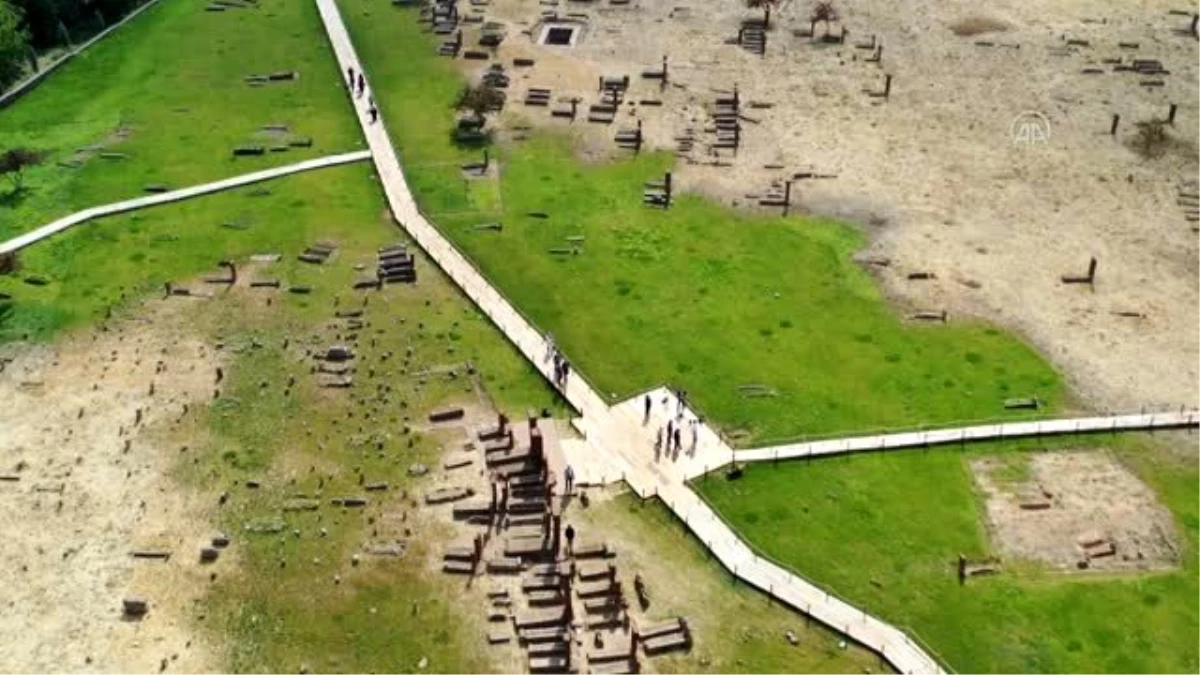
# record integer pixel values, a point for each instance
(173, 79)
(698, 296)
(884, 531)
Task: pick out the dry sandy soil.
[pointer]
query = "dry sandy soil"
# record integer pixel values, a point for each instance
(86, 485)
(1088, 497)
(934, 174)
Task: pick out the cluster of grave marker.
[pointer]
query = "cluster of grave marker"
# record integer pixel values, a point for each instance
(726, 114)
(222, 5)
(752, 36)
(658, 193)
(564, 595)
(281, 140)
(318, 253)
(612, 94)
(277, 76)
(1188, 200)
(396, 265)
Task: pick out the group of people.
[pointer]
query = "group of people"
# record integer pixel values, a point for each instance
(358, 85)
(672, 434)
(561, 368)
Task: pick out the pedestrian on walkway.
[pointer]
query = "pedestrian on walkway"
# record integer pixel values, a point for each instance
(350, 77)
(658, 440)
(646, 413)
(549, 346)
(374, 113)
(670, 433)
(570, 535)
(362, 85)
(695, 434)
(678, 403)
(566, 370)
(569, 479)
(678, 437)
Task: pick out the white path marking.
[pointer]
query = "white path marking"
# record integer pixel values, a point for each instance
(20, 242)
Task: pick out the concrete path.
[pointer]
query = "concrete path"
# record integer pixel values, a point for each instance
(984, 432)
(18, 243)
(611, 432)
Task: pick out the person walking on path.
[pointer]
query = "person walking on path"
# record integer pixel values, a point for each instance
(566, 370)
(678, 437)
(646, 413)
(569, 479)
(570, 535)
(670, 434)
(658, 440)
(374, 113)
(695, 434)
(362, 85)
(549, 346)
(350, 77)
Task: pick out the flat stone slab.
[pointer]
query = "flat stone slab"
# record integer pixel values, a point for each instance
(544, 598)
(536, 635)
(665, 643)
(515, 548)
(600, 605)
(530, 584)
(548, 664)
(457, 461)
(450, 494)
(590, 589)
(543, 618)
(592, 550)
(610, 667)
(594, 569)
(460, 552)
(660, 628)
(553, 648)
(474, 508)
(457, 567)
(504, 565)
(613, 650)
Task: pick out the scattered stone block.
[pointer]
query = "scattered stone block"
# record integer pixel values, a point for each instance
(446, 495)
(135, 607)
(447, 415)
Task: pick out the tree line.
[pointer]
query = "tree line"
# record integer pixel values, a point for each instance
(28, 27)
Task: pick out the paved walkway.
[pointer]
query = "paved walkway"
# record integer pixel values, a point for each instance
(29, 238)
(984, 432)
(624, 441)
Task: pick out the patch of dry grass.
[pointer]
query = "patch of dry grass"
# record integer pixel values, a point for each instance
(977, 25)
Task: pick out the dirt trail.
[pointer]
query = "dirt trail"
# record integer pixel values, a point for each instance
(87, 485)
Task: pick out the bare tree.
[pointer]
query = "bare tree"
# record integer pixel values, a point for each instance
(765, 6)
(14, 162)
(1152, 139)
(823, 12)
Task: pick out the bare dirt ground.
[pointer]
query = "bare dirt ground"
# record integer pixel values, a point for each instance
(86, 485)
(934, 174)
(1070, 507)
